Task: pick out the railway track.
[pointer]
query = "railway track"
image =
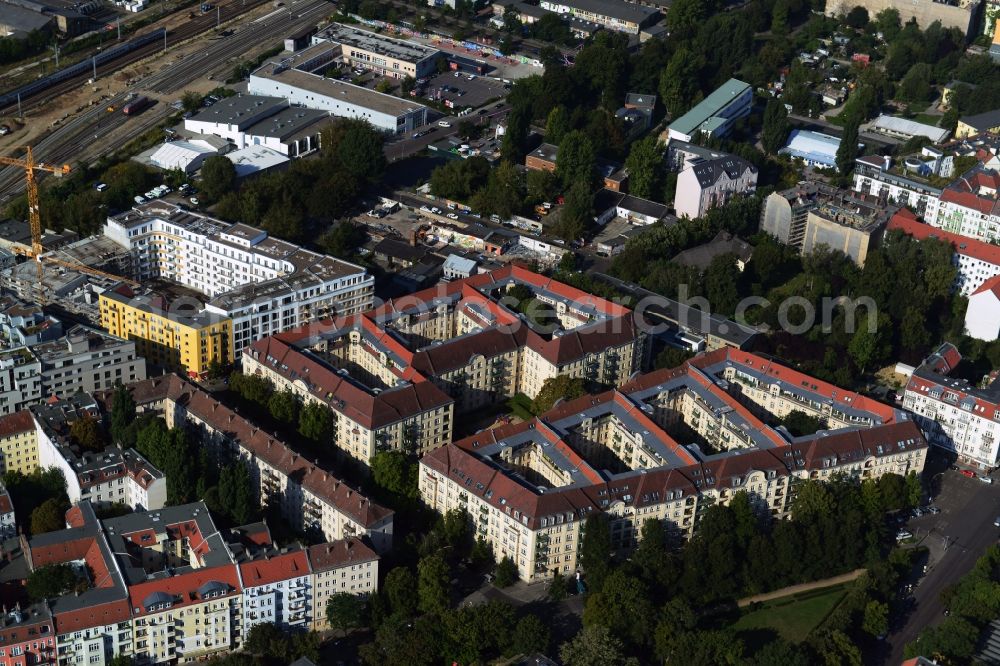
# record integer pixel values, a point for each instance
(95, 131)
(191, 28)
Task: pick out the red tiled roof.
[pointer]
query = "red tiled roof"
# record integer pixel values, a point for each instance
(336, 554)
(16, 423)
(993, 285)
(274, 568)
(907, 222)
(968, 200)
(183, 587)
(264, 446)
(5, 503)
(111, 612)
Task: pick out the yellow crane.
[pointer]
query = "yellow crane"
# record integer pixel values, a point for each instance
(35, 221)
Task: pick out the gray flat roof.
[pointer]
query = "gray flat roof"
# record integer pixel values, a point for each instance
(375, 43)
(336, 89)
(287, 122)
(231, 110)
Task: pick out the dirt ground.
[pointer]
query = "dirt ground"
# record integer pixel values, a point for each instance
(39, 121)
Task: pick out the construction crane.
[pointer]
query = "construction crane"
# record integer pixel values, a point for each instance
(35, 221)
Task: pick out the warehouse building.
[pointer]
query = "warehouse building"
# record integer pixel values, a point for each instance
(296, 79)
(395, 58)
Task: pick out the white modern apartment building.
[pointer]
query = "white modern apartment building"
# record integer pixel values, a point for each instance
(277, 590)
(111, 476)
(20, 380)
(265, 285)
(977, 261)
(953, 413)
(877, 176)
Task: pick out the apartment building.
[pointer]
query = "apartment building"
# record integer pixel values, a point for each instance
(386, 56)
(170, 337)
(529, 487)
(20, 379)
(23, 324)
(170, 587)
(8, 521)
(300, 79)
(263, 284)
(346, 566)
(18, 443)
(85, 359)
(611, 14)
(977, 261)
(707, 178)
(27, 636)
(953, 413)
(111, 476)
(879, 177)
(813, 214)
(969, 206)
(714, 115)
(396, 376)
(961, 14)
(309, 497)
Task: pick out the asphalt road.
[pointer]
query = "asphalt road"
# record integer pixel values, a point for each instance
(956, 538)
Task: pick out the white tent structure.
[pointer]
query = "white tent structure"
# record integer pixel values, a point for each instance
(184, 155)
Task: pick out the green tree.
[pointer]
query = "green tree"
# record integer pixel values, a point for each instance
(577, 213)
(876, 619)
(577, 159)
(122, 416)
(800, 424)
(622, 605)
(530, 636)
(400, 589)
(218, 176)
(432, 585)
(595, 550)
(645, 168)
(50, 516)
(345, 611)
(557, 125)
(506, 572)
(679, 85)
(848, 149)
(916, 86)
(593, 646)
(50, 581)
(316, 423)
(86, 433)
(684, 17)
(559, 387)
(192, 101)
(774, 133)
(394, 474)
(284, 406)
(557, 587)
(857, 18)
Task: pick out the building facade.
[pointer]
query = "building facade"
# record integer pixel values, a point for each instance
(18, 443)
(386, 56)
(953, 413)
(707, 178)
(529, 487)
(262, 284)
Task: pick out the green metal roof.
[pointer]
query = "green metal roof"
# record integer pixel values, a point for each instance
(709, 106)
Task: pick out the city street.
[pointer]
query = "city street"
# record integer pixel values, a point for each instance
(955, 539)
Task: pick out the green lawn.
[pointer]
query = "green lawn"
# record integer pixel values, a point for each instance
(794, 616)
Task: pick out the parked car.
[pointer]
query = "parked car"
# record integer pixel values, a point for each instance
(194, 201)
(967, 472)
(903, 535)
(4, 130)
(986, 479)
(100, 187)
(452, 216)
(444, 123)
(139, 199)
(933, 510)
(996, 523)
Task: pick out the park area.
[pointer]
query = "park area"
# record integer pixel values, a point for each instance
(792, 616)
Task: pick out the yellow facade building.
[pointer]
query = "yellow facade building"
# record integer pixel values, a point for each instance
(18, 443)
(181, 339)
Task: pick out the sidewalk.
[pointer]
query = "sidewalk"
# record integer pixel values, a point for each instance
(803, 587)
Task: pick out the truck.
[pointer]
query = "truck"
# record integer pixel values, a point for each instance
(137, 106)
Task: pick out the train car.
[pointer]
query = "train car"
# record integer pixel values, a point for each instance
(137, 106)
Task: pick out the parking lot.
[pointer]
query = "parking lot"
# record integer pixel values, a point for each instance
(459, 89)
